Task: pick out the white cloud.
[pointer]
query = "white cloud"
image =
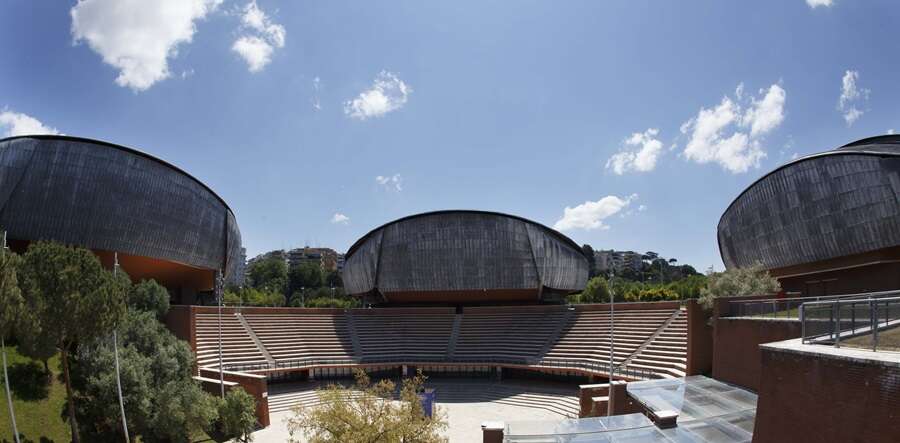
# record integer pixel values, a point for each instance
(817, 3)
(719, 134)
(388, 93)
(890, 131)
(393, 182)
(340, 219)
(640, 153)
(851, 96)
(15, 123)
(316, 104)
(590, 215)
(260, 39)
(136, 36)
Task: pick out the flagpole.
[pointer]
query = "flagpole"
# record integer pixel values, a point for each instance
(12, 414)
(116, 353)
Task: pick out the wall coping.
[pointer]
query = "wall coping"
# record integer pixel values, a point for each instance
(761, 319)
(796, 346)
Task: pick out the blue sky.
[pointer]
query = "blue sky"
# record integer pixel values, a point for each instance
(627, 124)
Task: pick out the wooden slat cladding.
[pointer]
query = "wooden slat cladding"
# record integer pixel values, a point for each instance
(108, 197)
(464, 252)
(834, 204)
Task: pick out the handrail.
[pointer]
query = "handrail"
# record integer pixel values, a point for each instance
(829, 321)
(544, 363)
(777, 307)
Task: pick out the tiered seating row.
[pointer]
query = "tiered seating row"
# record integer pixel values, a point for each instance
(388, 337)
(588, 338)
(238, 347)
(517, 336)
(490, 335)
(303, 336)
(666, 354)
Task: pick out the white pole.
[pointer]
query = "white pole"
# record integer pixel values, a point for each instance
(612, 330)
(221, 368)
(12, 414)
(116, 353)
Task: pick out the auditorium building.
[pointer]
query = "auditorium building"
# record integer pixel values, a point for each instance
(460, 257)
(824, 224)
(162, 222)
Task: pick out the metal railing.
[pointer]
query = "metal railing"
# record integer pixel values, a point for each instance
(600, 368)
(789, 307)
(832, 321)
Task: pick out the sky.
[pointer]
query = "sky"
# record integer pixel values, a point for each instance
(628, 124)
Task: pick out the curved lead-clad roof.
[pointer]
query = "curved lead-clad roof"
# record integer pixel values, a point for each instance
(108, 197)
(822, 206)
(462, 250)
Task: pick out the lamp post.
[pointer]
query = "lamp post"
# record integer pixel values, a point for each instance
(12, 414)
(612, 329)
(218, 290)
(116, 353)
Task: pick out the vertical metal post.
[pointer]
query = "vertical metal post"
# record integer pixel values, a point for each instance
(836, 314)
(802, 325)
(218, 291)
(874, 314)
(12, 414)
(612, 330)
(116, 353)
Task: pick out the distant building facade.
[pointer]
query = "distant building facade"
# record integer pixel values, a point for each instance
(617, 261)
(326, 258)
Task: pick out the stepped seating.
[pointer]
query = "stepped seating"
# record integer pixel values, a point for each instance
(500, 336)
(238, 347)
(666, 354)
(303, 335)
(651, 340)
(587, 340)
(422, 337)
(563, 402)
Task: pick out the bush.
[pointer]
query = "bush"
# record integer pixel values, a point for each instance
(149, 296)
(237, 415)
(738, 282)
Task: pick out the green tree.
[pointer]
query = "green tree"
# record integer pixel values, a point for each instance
(148, 295)
(305, 276)
(596, 291)
(333, 279)
(369, 415)
(269, 274)
(72, 299)
(10, 306)
(237, 415)
(738, 282)
(162, 402)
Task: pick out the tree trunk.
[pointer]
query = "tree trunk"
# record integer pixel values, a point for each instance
(71, 400)
(47, 371)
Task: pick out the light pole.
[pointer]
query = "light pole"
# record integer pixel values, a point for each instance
(612, 330)
(218, 290)
(116, 353)
(12, 414)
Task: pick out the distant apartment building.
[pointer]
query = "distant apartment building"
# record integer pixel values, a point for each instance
(327, 258)
(617, 261)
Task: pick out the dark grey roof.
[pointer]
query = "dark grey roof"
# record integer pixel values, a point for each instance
(109, 197)
(463, 250)
(822, 206)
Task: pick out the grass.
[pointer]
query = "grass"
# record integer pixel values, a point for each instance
(888, 340)
(37, 403)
